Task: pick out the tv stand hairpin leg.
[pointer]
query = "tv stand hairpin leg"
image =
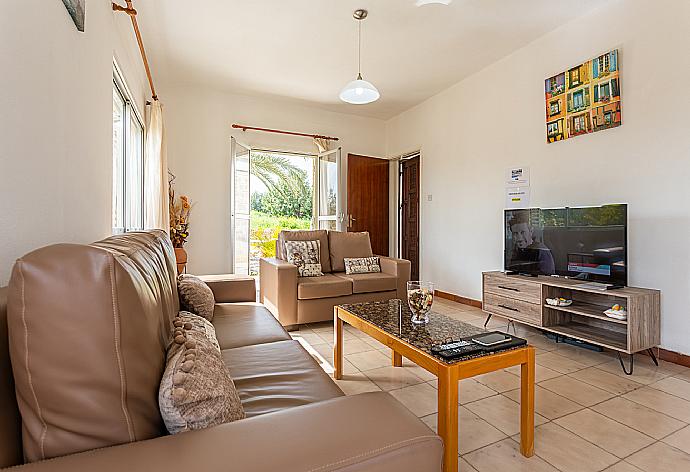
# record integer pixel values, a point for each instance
(632, 361)
(488, 318)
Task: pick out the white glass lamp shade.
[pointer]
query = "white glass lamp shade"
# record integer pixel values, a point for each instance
(429, 2)
(359, 92)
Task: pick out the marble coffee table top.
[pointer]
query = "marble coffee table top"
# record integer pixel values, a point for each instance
(394, 317)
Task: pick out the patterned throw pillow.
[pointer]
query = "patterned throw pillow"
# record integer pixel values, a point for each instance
(362, 265)
(196, 390)
(195, 296)
(305, 255)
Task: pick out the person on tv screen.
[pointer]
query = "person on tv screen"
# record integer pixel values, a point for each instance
(528, 254)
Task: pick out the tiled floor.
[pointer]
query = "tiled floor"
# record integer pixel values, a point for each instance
(590, 416)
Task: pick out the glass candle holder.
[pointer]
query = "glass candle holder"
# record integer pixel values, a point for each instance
(420, 297)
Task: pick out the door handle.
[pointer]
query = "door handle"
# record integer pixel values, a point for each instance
(351, 220)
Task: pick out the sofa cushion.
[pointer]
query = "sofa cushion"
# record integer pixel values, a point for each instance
(320, 235)
(242, 324)
(88, 327)
(374, 282)
(196, 391)
(343, 244)
(362, 265)
(305, 255)
(196, 296)
(275, 376)
(326, 286)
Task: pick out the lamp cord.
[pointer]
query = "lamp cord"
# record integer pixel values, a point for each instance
(359, 52)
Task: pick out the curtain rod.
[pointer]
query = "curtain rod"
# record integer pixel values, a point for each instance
(133, 15)
(292, 133)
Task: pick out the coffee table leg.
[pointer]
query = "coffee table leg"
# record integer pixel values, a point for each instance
(527, 405)
(337, 346)
(448, 417)
(397, 359)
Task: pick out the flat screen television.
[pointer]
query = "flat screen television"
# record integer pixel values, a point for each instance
(587, 243)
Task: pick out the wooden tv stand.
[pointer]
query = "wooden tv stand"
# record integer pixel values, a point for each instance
(523, 299)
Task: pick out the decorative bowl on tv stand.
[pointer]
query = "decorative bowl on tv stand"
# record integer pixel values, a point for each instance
(420, 298)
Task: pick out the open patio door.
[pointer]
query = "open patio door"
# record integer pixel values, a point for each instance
(329, 214)
(240, 206)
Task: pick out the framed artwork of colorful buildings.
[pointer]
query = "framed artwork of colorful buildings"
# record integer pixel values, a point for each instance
(584, 99)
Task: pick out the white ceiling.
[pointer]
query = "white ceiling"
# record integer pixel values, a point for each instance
(305, 50)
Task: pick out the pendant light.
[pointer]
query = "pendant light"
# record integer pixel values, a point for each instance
(359, 92)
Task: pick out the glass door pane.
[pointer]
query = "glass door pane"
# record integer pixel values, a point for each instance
(134, 168)
(240, 206)
(118, 162)
(330, 215)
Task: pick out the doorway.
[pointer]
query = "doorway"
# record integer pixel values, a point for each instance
(278, 190)
(367, 199)
(409, 212)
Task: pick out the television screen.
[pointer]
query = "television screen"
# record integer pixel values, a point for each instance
(588, 243)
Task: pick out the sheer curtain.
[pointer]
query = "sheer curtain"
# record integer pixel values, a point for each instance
(156, 210)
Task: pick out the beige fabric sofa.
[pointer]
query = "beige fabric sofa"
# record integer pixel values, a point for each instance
(297, 300)
(297, 418)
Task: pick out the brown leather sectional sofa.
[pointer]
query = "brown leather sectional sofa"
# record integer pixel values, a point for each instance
(297, 418)
(297, 300)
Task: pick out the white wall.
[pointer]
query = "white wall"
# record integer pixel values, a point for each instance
(56, 122)
(198, 126)
(470, 133)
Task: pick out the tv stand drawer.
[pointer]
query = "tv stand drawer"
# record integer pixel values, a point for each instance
(513, 308)
(513, 287)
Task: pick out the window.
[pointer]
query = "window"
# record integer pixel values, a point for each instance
(555, 107)
(604, 63)
(128, 161)
(578, 99)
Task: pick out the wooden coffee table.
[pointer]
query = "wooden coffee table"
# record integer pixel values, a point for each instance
(389, 323)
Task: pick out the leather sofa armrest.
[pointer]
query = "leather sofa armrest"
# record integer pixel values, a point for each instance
(231, 288)
(368, 432)
(278, 289)
(400, 268)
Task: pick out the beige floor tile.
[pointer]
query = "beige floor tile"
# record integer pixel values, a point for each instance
(683, 374)
(661, 401)
(660, 457)
(577, 391)
(605, 380)
(392, 378)
(622, 466)
(369, 360)
(418, 371)
(583, 356)
(500, 380)
(422, 399)
(327, 336)
(674, 386)
(541, 342)
(680, 439)
(464, 466)
(548, 404)
(308, 336)
(564, 365)
(473, 432)
(569, 452)
(606, 433)
(501, 412)
(541, 373)
(470, 390)
(323, 353)
(505, 455)
(352, 384)
(639, 417)
(355, 346)
(644, 371)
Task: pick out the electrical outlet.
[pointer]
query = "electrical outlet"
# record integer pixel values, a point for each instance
(429, 198)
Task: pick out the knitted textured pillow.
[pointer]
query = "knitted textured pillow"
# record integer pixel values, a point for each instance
(305, 255)
(195, 296)
(196, 390)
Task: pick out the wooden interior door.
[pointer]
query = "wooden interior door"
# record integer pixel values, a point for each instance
(409, 213)
(367, 199)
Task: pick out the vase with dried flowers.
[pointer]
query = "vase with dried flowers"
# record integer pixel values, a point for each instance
(180, 208)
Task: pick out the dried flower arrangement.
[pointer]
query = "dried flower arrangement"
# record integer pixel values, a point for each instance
(180, 209)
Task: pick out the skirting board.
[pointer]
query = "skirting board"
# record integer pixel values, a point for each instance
(458, 299)
(663, 354)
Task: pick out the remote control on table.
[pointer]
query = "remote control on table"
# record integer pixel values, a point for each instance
(456, 349)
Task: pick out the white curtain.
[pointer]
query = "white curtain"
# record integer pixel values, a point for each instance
(322, 145)
(156, 209)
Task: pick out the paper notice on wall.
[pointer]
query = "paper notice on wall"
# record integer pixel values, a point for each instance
(517, 197)
(517, 176)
